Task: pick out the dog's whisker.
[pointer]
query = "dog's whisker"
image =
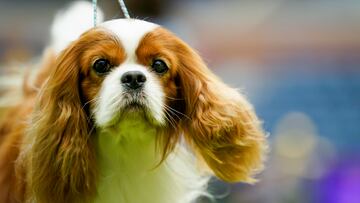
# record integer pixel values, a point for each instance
(176, 111)
(170, 120)
(174, 99)
(90, 101)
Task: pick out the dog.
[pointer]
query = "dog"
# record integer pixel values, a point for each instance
(124, 112)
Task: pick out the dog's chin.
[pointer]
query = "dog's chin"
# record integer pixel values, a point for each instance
(137, 110)
(134, 110)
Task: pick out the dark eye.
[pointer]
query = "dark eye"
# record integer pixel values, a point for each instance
(101, 66)
(159, 66)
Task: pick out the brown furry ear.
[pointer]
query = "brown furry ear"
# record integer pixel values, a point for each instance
(222, 126)
(60, 159)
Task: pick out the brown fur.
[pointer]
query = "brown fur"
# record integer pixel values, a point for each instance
(223, 127)
(12, 128)
(217, 121)
(61, 163)
(52, 158)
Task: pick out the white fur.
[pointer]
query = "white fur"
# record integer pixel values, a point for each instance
(130, 32)
(127, 159)
(70, 23)
(111, 100)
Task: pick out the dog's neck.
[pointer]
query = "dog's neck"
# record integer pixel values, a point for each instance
(127, 161)
(128, 145)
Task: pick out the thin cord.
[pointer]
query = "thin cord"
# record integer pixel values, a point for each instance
(94, 3)
(122, 6)
(124, 9)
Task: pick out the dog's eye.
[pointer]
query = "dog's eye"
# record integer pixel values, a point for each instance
(159, 66)
(101, 66)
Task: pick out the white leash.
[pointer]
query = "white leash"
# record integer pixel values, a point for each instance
(94, 3)
(124, 9)
(122, 6)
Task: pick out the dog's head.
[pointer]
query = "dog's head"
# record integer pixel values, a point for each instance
(129, 66)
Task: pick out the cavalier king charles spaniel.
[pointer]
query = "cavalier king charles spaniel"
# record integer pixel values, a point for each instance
(125, 113)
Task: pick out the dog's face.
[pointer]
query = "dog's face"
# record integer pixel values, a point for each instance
(127, 67)
(130, 69)
(130, 66)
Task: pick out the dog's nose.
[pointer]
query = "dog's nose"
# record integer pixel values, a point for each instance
(133, 79)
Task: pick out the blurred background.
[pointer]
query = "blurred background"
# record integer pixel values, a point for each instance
(298, 61)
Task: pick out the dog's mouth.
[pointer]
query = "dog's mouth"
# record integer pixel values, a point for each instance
(138, 109)
(135, 105)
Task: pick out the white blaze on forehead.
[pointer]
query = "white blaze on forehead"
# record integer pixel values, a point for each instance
(130, 32)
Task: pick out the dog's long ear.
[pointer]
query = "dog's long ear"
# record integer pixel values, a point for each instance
(61, 158)
(222, 126)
